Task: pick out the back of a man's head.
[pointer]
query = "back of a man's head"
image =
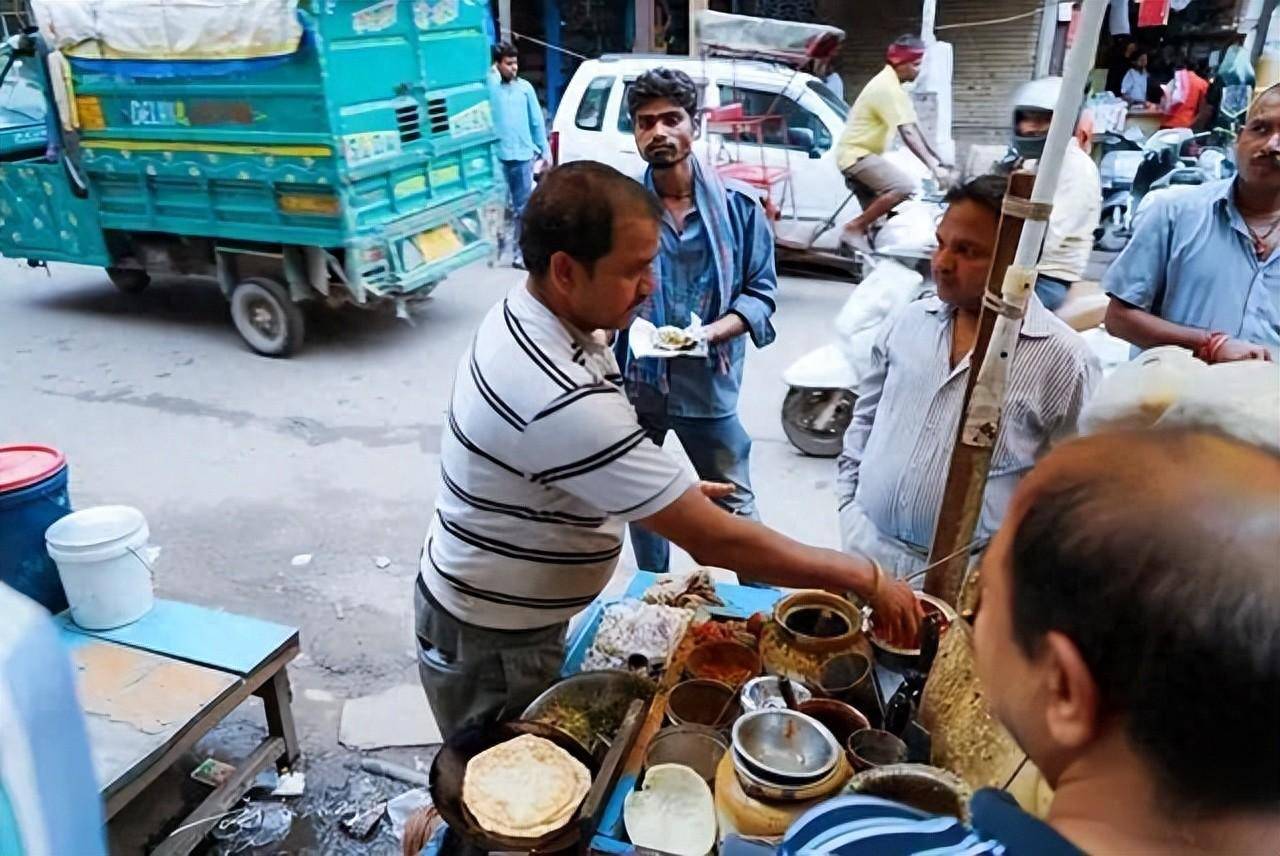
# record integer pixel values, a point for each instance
(1158, 555)
(573, 210)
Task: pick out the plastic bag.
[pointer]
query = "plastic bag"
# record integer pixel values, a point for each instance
(1169, 388)
(1138, 393)
(1241, 399)
(884, 291)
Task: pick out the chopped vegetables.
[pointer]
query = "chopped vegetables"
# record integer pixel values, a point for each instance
(634, 627)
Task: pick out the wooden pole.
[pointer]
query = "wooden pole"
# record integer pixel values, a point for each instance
(967, 475)
(1001, 316)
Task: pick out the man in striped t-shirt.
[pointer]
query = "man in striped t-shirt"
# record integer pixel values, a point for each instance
(544, 462)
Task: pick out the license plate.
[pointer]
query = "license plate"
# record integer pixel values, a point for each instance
(437, 243)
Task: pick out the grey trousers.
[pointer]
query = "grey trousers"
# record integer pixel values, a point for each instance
(473, 675)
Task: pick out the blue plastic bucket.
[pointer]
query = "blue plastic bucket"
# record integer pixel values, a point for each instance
(26, 511)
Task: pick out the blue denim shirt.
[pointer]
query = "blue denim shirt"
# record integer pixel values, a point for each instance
(517, 120)
(1191, 261)
(697, 390)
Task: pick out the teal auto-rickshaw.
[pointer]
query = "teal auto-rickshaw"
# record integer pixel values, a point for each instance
(355, 167)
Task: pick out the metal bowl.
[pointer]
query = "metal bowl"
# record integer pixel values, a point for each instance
(765, 693)
(785, 746)
(762, 789)
(723, 660)
(897, 659)
(702, 702)
(600, 693)
(920, 786)
(694, 746)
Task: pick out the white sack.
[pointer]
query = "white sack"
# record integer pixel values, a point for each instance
(170, 29)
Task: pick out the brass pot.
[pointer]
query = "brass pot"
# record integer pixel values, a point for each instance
(818, 622)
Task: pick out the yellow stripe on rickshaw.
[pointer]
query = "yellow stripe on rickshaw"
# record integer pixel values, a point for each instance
(209, 148)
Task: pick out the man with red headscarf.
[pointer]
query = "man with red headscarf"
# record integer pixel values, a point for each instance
(882, 108)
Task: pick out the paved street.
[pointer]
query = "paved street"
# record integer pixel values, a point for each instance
(241, 463)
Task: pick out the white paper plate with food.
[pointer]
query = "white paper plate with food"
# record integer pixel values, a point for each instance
(666, 342)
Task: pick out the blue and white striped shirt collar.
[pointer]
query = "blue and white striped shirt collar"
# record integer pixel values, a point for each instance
(1035, 323)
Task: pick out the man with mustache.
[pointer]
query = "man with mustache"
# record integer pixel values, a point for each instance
(1203, 267)
(892, 470)
(543, 460)
(715, 261)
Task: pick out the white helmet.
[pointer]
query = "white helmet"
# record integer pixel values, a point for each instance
(1038, 96)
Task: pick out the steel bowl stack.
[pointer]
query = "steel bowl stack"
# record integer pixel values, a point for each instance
(785, 756)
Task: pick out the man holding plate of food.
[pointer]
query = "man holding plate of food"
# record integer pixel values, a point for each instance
(715, 264)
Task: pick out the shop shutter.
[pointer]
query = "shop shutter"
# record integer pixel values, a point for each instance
(990, 62)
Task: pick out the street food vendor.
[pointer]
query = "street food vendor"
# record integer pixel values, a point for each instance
(544, 461)
(1129, 639)
(893, 466)
(1202, 269)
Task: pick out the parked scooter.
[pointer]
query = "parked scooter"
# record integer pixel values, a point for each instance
(1171, 157)
(819, 401)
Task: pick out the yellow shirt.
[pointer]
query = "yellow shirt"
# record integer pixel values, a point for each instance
(882, 107)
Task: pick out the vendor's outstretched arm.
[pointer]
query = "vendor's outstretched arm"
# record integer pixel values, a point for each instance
(715, 537)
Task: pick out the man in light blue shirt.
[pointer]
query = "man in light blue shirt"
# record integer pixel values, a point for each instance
(715, 261)
(1203, 267)
(522, 134)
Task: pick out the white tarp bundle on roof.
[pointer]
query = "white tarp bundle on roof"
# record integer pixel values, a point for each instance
(170, 29)
(788, 42)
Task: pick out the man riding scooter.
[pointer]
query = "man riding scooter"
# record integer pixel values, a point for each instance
(1077, 203)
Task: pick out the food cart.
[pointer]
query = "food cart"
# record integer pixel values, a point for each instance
(716, 705)
(722, 671)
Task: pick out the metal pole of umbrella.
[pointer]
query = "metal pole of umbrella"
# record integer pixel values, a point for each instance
(1002, 315)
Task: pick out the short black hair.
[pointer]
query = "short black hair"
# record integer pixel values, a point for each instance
(986, 190)
(670, 83)
(502, 50)
(572, 211)
(1158, 555)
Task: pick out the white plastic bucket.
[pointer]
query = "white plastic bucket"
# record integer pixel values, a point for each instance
(105, 565)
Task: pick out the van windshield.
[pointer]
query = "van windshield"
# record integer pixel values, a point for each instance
(835, 102)
(21, 98)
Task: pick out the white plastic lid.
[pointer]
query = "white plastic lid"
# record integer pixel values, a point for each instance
(95, 526)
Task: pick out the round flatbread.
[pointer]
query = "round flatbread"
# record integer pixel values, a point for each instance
(673, 812)
(525, 787)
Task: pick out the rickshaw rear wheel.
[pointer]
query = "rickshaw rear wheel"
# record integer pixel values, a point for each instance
(267, 318)
(129, 280)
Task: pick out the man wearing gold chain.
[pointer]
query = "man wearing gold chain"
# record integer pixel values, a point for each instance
(1203, 268)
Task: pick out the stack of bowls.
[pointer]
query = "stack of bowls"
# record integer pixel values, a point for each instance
(786, 756)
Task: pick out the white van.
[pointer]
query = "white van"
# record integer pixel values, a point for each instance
(592, 123)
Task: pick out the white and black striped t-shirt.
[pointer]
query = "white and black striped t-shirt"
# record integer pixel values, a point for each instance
(542, 463)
